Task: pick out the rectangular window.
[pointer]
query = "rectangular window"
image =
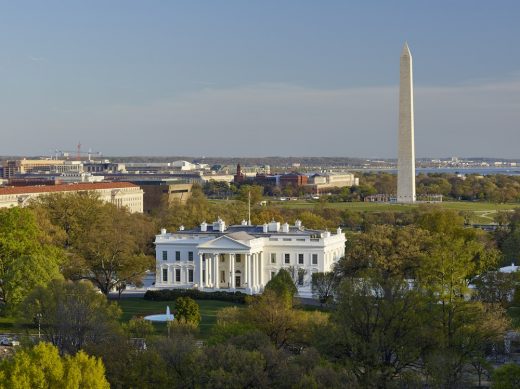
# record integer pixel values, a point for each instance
(165, 275)
(177, 255)
(165, 255)
(222, 276)
(177, 275)
(314, 259)
(273, 257)
(273, 274)
(287, 258)
(237, 258)
(190, 275)
(190, 256)
(300, 259)
(222, 258)
(203, 275)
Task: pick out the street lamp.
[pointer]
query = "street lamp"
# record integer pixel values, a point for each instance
(39, 318)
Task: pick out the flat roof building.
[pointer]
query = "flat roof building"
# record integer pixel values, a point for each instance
(121, 194)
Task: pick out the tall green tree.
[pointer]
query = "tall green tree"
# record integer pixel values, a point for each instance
(26, 257)
(250, 192)
(325, 285)
(106, 245)
(72, 314)
(282, 284)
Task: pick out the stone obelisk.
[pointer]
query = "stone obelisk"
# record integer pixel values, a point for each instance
(406, 157)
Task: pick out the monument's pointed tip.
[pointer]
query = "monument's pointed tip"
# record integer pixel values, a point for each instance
(406, 49)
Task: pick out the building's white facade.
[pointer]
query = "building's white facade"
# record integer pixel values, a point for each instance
(243, 257)
(333, 180)
(121, 194)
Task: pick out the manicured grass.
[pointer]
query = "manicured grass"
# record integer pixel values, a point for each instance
(483, 212)
(472, 206)
(139, 307)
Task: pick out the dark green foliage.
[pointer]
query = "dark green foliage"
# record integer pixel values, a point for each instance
(506, 377)
(173, 294)
(283, 285)
(187, 310)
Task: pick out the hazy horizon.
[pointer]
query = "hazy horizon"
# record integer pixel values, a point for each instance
(259, 78)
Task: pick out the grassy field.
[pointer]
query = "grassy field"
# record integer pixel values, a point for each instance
(483, 212)
(380, 207)
(139, 307)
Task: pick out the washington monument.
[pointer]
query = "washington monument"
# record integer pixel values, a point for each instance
(406, 157)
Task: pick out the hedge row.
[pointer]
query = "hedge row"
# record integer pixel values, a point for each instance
(172, 294)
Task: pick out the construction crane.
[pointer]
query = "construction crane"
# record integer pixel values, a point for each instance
(77, 152)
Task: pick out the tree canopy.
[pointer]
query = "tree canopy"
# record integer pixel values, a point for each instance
(106, 245)
(26, 258)
(72, 314)
(42, 367)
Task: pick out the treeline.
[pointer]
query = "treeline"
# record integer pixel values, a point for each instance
(497, 188)
(472, 187)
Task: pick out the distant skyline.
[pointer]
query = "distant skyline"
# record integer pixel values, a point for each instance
(258, 78)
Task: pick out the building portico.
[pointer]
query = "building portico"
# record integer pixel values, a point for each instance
(231, 271)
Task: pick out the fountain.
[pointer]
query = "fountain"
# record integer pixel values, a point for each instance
(161, 317)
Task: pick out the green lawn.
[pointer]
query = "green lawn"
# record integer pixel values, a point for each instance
(483, 212)
(139, 307)
(473, 206)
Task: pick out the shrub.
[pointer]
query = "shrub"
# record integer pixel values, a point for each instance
(173, 294)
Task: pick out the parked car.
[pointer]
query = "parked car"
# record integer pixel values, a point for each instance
(5, 341)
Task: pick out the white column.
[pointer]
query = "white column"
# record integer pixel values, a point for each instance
(249, 272)
(216, 275)
(232, 266)
(246, 272)
(208, 270)
(200, 271)
(261, 269)
(258, 271)
(255, 272)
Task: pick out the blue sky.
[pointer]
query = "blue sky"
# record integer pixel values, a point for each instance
(239, 78)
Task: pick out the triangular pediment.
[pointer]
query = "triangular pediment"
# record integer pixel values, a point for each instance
(224, 243)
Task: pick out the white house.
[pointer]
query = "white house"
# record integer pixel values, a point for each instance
(243, 257)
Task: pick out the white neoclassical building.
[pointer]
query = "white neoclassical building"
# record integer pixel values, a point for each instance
(121, 194)
(243, 257)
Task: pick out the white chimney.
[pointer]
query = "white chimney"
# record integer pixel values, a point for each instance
(274, 226)
(244, 223)
(298, 224)
(339, 231)
(219, 225)
(163, 231)
(285, 227)
(265, 227)
(203, 226)
(181, 228)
